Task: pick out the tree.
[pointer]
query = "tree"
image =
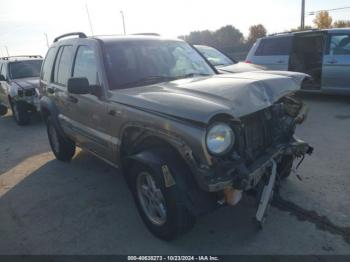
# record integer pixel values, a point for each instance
(228, 38)
(205, 37)
(341, 23)
(255, 32)
(323, 20)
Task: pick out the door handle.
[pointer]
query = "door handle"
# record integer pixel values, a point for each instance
(50, 90)
(73, 99)
(333, 61)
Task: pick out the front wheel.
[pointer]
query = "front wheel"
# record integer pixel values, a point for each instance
(62, 147)
(161, 208)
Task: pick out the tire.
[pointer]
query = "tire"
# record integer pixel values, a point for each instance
(62, 147)
(3, 110)
(20, 112)
(171, 218)
(284, 168)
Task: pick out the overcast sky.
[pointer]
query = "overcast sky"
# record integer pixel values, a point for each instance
(23, 23)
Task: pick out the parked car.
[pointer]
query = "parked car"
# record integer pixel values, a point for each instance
(19, 82)
(223, 63)
(323, 54)
(187, 139)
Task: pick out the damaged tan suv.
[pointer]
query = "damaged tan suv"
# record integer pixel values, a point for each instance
(187, 139)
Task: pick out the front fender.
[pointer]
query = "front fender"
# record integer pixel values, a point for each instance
(48, 108)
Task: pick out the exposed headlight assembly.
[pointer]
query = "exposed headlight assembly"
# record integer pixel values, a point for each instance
(220, 138)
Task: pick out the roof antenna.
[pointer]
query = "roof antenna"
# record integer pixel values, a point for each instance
(88, 15)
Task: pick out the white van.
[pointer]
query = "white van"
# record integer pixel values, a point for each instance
(323, 54)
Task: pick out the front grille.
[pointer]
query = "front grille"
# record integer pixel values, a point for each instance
(29, 92)
(257, 134)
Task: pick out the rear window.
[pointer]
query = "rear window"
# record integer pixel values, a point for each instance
(274, 46)
(24, 69)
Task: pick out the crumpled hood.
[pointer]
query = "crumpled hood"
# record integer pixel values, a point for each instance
(26, 83)
(240, 68)
(201, 98)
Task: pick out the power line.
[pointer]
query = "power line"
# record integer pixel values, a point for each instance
(328, 10)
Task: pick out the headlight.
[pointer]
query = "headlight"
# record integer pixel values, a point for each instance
(220, 139)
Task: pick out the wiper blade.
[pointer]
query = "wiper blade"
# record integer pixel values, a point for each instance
(149, 80)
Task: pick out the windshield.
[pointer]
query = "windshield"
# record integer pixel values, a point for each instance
(214, 56)
(135, 63)
(24, 69)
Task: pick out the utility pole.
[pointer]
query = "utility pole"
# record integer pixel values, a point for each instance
(302, 24)
(88, 15)
(7, 51)
(122, 14)
(47, 40)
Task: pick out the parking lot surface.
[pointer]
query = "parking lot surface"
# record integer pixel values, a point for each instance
(85, 207)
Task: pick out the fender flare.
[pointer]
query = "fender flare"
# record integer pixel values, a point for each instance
(47, 105)
(197, 201)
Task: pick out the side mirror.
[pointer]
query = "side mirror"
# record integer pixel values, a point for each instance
(78, 85)
(2, 78)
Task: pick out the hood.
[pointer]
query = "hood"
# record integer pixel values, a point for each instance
(240, 68)
(26, 83)
(201, 98)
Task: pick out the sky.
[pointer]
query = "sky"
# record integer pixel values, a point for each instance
(23, 24)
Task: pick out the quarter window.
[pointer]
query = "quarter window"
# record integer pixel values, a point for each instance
(86, 65)
(46, 71)
(63, 65)
(274, 46)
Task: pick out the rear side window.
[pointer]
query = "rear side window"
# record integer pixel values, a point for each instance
(47, 66)
(85, 64)
(63, 65)
(274, 46)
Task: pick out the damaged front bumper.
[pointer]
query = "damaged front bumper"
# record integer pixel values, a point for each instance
(32, 101)
(243, 177)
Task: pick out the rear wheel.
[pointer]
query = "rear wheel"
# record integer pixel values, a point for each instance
(161, 208)
(20, 112)
(62, 147)
(3, 110)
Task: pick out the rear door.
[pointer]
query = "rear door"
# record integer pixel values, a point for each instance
(57, 88)
(336, 62)
(272, 53)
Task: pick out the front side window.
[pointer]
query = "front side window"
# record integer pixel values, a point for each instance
(215, 57)
(24, 69)
(63, 65)
(274, 46)
(135, 63)
(86, 65)
(339, 44)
